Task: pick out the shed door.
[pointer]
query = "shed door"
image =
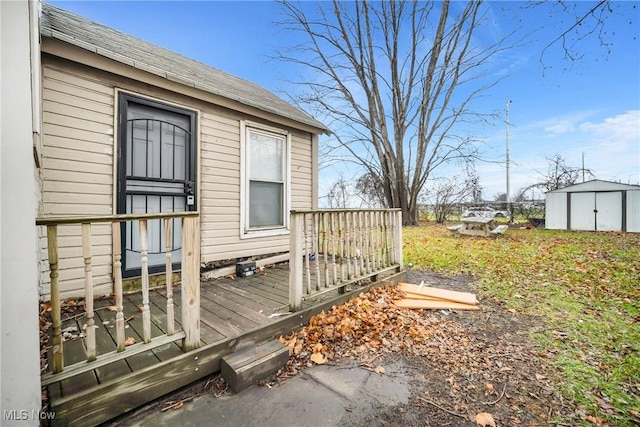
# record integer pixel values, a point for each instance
(609, 211)
(156, 174)
(582, 215)
(596, 211)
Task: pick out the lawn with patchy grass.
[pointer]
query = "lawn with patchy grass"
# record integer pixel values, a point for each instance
(584, 285)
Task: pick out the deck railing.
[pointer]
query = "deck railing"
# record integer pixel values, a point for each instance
(330, 249)
(190, 287)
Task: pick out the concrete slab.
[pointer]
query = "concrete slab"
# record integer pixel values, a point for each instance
(390, 388)
(346, 380)
(320, 396)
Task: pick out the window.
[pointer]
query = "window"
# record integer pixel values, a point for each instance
(265, 180)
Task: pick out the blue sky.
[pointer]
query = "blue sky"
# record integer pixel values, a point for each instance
(589, 106)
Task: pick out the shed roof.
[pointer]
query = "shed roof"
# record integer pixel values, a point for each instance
(74, 29)
(596, 185)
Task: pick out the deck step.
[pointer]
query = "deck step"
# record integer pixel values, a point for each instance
(245, 368)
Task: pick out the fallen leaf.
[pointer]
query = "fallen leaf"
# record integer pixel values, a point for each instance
(379, 370)
(112, 308)
(540, 377)
(489, 387)
(130, 341)
(592, 419)
(485, 419)
(178, 405)
(318, 358)
(512, 310)
(140, 308)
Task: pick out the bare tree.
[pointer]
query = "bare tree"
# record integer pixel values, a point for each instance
(338, 195)
(585, 20)
(559, 175)
(446, 194)
(370, 190)
(393, 79)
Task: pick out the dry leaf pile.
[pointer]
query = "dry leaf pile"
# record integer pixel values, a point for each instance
(369, 326)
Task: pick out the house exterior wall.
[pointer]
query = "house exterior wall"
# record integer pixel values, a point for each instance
(78, 168)
(20, 368)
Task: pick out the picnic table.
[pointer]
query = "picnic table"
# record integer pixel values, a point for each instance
(478, 226)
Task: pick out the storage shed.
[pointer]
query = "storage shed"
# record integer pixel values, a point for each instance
(594, 206)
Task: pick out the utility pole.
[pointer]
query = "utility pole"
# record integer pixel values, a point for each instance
(507, 161)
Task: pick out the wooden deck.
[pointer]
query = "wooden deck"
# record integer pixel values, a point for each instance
(235, 313)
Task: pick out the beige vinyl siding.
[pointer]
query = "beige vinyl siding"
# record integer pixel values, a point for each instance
(78, 170)
(220, 203)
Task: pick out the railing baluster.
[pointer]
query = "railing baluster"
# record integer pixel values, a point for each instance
(332, 225)
(348, 237)
(316, 249)
(52, 249)
(325, 249)
(90, 331)
(144, 266)
(307, 252)
(387, 239)
(169, 276)
(366, 253)
(117, 283)
(383, 237)
(398, 236)
(360, 254)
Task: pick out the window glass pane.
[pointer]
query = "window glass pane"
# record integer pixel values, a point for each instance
(266, 157)
(265, 204)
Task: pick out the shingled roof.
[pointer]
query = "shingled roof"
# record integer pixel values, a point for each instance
(68, 27)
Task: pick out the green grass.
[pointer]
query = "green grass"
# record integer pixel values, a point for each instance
(585, 287)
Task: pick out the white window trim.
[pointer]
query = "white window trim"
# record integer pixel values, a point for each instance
(245, 231)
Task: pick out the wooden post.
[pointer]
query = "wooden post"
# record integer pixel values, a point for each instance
(398, 237)
(90, 332)
(190, 283)
(144, 273)
(341, 237)
(52, 244)
(169, 276)
(295, 262)
(117, 283)
(348, 234)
